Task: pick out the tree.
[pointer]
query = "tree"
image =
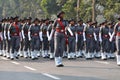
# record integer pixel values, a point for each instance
(49, 7)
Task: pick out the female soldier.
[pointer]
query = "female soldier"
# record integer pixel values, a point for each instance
(71, 40)
(59, 38)
(80, 42)
(117, 32)
(90, 37)
(105, 40)
(34, 35)
(14, 36)
(112, 49)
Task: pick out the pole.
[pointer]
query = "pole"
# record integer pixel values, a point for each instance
(93, 10)
(78, 5)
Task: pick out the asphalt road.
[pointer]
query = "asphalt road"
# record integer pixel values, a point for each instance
(44, 69)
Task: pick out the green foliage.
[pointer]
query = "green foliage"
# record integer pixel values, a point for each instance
(69, 9)
(46, 8)
(49, 7)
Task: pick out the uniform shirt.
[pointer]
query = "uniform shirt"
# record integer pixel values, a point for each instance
(35, 29)
(49, 29)
(73, 29)
(89, 30)
(80, 29)
(44, 29)
(1, 36)
(105, 30)
(26, 28)
(118, 27)
(57, 25)
(0, 27)
(14, 29)
(97, 31)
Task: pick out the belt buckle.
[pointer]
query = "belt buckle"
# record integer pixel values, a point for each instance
(106, 35)
(90, 35)
(62, 30)
(15, 34)
(80, 32)
(35, 34)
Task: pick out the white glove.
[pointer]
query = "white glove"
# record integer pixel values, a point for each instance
(1, 36)
(9, 35)
(5, 35)
(76, 35)
(9, 38)
(100, 39)
(23, 36)
(84, 39)
(49, 38)
(71, 33)
(110, 39)
(48, 34)
(40, 35)
(51, 34)
(29, 37)
(95, 37)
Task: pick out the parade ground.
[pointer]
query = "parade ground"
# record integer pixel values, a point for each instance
(44, 69)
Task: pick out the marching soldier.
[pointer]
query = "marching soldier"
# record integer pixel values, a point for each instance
(24, 32)
(2, 30)
(71, 39)
(90, 37)
(1, 38)
(112, 49)
(80, 42)
(51, 41)
(45, 44)
(8, 45)
(4, 37)
(14, 36)
(21, 23)
(117, 32)
(59, 38)
(97, 47)
(35, 35)
(105, 41)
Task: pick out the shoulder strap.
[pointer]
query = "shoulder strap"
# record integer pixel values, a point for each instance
(16, 27)
(61, 24)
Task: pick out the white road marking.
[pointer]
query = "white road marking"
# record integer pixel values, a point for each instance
(30, 68)
(4, 58)
(102, 62)
(15, 62)
(51, 76)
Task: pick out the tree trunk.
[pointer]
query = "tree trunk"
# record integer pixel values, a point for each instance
(78, 5)
(93, 10)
